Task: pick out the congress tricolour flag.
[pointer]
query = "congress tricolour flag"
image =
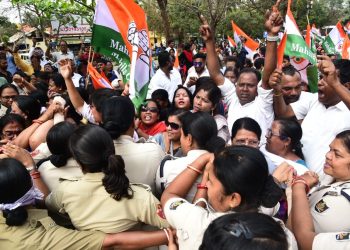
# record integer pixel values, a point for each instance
(333, 42)
(120, 32)
(250, 45)
(314, 30)
(301, 64)
(231, 42)
(294, 45)
(316, 34)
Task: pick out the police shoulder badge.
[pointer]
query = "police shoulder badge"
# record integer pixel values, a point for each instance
(321, 206)
(343, 236)
(175, 204)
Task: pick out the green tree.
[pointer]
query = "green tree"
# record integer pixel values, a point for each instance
(7, 29)
(41, 12)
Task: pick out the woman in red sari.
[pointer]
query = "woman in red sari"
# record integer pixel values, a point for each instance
(149, 120)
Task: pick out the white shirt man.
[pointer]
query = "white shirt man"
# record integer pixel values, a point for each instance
(260, 109)
(196, 71)
(165, 77)
(320, 126)
(324, 116)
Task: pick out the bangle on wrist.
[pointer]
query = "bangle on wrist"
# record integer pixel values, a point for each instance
(35, 174)
(301, 180)
(272, 38)
(202, 186)
(194, 169)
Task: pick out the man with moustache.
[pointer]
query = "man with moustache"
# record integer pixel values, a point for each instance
(324, 115)
(165, 77)
(196, 71)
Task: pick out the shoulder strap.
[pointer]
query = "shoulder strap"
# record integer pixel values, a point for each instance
(42, 161)
(343, 190)
(161, 171)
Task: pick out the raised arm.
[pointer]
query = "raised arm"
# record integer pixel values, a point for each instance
(273, 24)
(330, 76)
(66, 72)
(279, 105)
(26, 68)
(212, 59)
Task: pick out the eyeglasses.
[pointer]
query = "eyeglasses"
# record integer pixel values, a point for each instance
(11, 134)
(172, 125)
(9, 97)
(197, 64)
(151, 109)
(247, 142)
(269, 134)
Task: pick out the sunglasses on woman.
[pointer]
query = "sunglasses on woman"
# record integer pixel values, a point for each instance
(151, 109)
(172, 125)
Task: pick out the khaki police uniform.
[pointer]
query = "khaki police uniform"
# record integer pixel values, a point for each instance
(141, 159)
(40, 232)
(330, 241)
(51, 174)
(330, 207)
(191, 221)
(90, 207)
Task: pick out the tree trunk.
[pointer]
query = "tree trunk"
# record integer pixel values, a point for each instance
(164, 14)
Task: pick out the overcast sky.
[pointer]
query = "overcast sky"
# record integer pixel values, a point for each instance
(6, 9)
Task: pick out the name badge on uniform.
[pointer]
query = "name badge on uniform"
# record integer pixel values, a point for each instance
(342, 236)
(321, 206)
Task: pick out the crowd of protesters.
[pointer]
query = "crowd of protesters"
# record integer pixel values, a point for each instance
(226, 152)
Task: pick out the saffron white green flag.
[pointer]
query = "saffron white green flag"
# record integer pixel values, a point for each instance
(120, 32)
(316, 34)
(295, 45)
(334, 41)
(250, 45)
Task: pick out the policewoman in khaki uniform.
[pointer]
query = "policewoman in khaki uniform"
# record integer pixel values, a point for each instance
(321, 219)
(23, 227)
(103, 199)
(236, 180)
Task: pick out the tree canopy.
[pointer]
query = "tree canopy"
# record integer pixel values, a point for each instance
(178, 19)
